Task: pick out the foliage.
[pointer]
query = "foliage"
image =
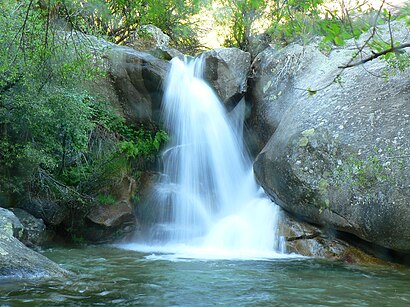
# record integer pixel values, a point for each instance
(56, 139)
(300, 21)
(294, 19)
(238, 16)
(104, 199)
(398, 59)
(288, 20)
(117, 20)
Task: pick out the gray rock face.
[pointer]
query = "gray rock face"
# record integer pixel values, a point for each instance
(272, 87)
(17, 260)
(34, 232)
(138, 79)
(133, 84)
(308, 240)
(50, 212)
(339, 157)
(155, 34)
(111, 215)
(152, 40)
(10, 224)
(227, 70)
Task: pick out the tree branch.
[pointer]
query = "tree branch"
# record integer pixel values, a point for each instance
(376, 55)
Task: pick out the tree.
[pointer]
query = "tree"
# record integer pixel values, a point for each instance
(49, 123)
(117, 20)
(239, 17)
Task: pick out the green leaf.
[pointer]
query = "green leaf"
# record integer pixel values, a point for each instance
(339, 41)
(311, 92)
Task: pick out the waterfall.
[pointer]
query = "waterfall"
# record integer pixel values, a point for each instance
(206, 203)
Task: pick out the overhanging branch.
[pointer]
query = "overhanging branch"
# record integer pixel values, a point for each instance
(376, 55)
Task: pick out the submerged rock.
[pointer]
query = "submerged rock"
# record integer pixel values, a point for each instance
(17, 260)
(337, 157)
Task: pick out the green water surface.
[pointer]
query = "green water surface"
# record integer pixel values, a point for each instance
(105, 275)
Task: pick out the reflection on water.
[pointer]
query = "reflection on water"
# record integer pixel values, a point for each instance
(108, 276)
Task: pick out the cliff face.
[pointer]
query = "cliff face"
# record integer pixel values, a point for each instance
(338, 156)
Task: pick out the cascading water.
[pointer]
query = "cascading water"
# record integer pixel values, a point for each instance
(206, 203)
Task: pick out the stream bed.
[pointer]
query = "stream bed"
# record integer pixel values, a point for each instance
(105, 275)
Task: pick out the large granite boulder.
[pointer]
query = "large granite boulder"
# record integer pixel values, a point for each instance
(339, 156)
(272, 87)
(17, 260)
(138, 79)
(34, 232)
(131, 80)
(151, 39)
(227, 70)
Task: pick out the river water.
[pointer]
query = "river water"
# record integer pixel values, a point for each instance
(105, 275)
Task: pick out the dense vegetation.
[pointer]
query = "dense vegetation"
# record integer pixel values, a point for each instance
(59, 141)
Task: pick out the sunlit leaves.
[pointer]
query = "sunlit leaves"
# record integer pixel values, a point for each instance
(238, 17)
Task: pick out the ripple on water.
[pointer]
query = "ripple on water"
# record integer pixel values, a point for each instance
(131, 278)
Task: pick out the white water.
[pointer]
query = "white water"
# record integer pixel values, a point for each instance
(207, 204)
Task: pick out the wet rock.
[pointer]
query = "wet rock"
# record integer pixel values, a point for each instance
(338, 157)
(50, 212)
(34, 232)
(227, 70)
(308, 240)
(112, 215)
(148, 187)
(17, 260)
(108, 222)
